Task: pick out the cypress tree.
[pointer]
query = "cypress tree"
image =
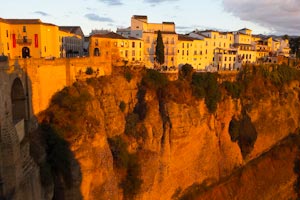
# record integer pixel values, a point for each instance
(160, 49)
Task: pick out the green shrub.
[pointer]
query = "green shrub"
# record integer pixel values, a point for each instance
(131, 183)
(205, 85)
(67, 110)
(154, 80)
(186, 72)
(89, 71)
(234, 88)
(128, 76)
(119, 151)
(122, 106)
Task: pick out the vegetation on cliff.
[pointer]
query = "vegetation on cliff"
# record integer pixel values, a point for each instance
(70, 115)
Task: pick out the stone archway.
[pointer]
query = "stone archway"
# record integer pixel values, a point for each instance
(18, 101)
(25, 52)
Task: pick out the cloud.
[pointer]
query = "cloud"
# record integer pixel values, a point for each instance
(153, 2)
(94, 17)
(112, 2)
(41, 13)
(279, 16)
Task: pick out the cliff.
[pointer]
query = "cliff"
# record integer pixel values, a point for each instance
(135, 135)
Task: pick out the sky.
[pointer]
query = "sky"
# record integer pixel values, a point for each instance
(262, 16)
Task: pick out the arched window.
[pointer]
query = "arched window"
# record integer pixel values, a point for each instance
(18, 101)
(25, 52)
(96, 52)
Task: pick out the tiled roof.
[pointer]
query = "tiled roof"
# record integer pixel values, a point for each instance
(25, 21)
(166, 32)
(111, 35)
(184, 38)
(71, 29)
(168, 23)
(140, 17)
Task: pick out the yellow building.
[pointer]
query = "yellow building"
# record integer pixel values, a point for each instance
(115, 48)
(214, 45)
(140, 28)
(184, 50)
(189, 51)
(23, 38)
(245, 46)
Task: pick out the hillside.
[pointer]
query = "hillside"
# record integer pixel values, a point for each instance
(136, 135)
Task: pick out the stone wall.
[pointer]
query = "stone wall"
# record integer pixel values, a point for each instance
(19, 174)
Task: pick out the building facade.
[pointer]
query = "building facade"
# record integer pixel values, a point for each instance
(116, 48)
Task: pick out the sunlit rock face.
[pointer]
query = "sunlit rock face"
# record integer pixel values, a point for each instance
(176, 144)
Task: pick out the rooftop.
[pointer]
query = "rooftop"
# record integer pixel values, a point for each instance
(184, 38)
(25, 21)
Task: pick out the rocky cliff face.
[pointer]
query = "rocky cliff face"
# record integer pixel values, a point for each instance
(129, 142)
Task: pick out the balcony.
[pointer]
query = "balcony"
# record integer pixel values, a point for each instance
(24, 41)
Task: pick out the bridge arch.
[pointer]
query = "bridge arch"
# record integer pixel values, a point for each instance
(18, 101)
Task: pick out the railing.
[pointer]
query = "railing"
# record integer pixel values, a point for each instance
(24, 41)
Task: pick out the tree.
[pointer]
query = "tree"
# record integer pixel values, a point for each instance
(159, 51)
(186, 72)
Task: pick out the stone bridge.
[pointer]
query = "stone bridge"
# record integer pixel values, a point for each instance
(26, 88)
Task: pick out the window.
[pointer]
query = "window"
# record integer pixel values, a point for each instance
(96, 52)
(122, 44)
(140, 45)
(229, 58)
(7, 46)
(188, 45)
(133, 52)
(133, 44)
(225, 58)
(126, 53)
(206, 43)
(195, 52)
(25, 39)
(24, 29)
(182, 45)
(250, 56)
(183, 52)
(96, 42)
(187, 52)
(214, 44)
(206, 51)
(6, 33)
(45, 48)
